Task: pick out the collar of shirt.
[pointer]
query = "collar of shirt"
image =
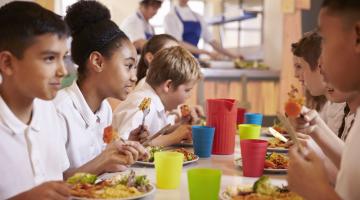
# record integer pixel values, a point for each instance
(81, 105)
(14, 123)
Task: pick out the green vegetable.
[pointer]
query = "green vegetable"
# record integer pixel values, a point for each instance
(141, 180)
(82, 178)
(263, 186)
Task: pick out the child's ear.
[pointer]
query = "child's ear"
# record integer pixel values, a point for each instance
(357, 35)
(6, 66)
(96, 61)
(167, 85)
(149, 57)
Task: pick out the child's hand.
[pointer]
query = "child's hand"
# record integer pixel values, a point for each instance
(183, 132)
(305, 169)
(139, 134)
(52, 190)
(309, 122)
(134, 150)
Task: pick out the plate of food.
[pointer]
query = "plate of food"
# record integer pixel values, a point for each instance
(262, 189)
(124, 186)
(274, 163)
(276, 145)
(189, 157)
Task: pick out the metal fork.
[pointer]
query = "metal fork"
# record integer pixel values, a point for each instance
(145, 113)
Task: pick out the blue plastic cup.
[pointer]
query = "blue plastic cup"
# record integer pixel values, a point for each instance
(203, 137)
(253, 118)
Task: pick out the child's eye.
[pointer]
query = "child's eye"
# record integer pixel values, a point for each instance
(49, 59)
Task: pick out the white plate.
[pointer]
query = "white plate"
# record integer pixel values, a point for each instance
(279, 150)
(184, 143)
(238, 163)
(152, 164)
(127, 198)
(224, 196)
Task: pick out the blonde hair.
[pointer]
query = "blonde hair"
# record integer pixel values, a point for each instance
(174, 63)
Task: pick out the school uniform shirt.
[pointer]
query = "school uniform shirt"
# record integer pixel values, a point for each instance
(140, 83)
(128, 116)
(136, 28)
(174, 26)
(349, 121)
(82, 127)
(348, 180)
(333, 114)
(30, 154)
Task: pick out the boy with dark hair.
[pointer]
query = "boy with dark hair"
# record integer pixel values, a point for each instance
(32, 51)
(339, 27)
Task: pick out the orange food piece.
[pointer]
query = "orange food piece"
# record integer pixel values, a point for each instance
(269, 164)
(109, 135)
(292, 108)
(185, 110)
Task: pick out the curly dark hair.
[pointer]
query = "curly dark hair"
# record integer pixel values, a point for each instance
(92, 30)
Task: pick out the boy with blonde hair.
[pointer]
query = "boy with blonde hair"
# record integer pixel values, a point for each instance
(172, 74)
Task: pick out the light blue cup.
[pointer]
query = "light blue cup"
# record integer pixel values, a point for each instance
(253, 118)
(203, 137)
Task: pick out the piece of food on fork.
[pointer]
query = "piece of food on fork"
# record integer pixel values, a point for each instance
(145, 104)
(294, 103)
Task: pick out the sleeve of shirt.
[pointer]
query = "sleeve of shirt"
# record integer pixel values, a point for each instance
(126, 118)
(173, 26)
(133, 28)
(205, 33)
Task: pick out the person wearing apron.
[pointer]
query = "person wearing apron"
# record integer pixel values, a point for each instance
(137, 26)
(189, 27)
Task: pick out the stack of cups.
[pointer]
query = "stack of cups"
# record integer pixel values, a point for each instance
(253, 150)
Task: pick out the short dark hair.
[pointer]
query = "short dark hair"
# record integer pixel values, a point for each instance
(152, 46)
(154, 3)
(348, 8)
(308, 48)
(342, 4)
(22, 21)
(92, 30)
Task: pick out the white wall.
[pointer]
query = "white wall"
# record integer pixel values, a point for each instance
(120, 9)
(273, 33)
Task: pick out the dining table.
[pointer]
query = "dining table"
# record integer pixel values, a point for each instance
(232, 174)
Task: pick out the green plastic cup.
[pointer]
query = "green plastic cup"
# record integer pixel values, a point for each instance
(249, 131)
(204, 183)
(168, 166)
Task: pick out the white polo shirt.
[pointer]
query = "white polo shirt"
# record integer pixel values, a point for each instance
(348, 180)
(135, 26)
(83, 128)
(333, 114)
(30, 154)
(173, 25)
(127, 116)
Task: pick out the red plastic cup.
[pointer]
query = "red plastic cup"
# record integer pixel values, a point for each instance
(253, 157)
(240, 115)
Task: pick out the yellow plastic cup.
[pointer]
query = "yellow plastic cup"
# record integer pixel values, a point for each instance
(249, 131)
(168, 166)
(204, 183)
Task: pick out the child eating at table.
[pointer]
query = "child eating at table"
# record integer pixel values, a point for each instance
(106, 60)
(32, 50)
(339, 28)
(172, 74)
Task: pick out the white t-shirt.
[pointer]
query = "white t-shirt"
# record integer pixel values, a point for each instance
(333, 114)
(30, 154)
(348, 180)
(173, 25)
(83, 128)
(127, 116)
(135, 26)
